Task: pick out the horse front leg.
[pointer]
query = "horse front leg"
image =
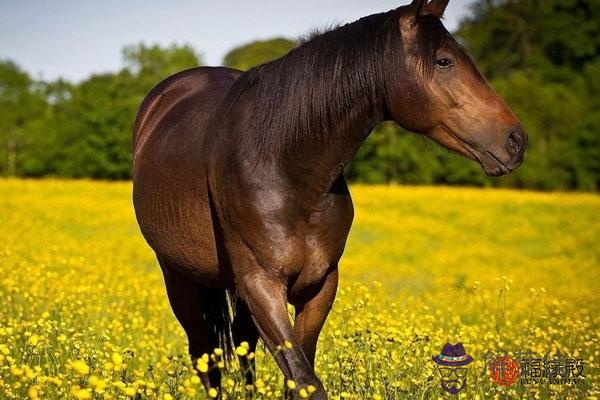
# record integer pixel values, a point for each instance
(265, 293)
(311, 314)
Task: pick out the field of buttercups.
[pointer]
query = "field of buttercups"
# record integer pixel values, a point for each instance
(84, 313)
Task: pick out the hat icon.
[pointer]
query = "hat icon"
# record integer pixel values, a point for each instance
(453, 356)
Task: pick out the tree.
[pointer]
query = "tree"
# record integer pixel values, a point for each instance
(551, 35)
(21, 103)
(259, 52)
(543, 57)
(80, 130)
(98, 144)
(151, 64)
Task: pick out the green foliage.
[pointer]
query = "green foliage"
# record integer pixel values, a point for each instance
(81, 130)
(21, 102)
(543, 57)
(150, 64)
(514, 34)
(258, 52)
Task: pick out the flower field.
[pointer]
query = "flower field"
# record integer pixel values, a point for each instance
(84, 313)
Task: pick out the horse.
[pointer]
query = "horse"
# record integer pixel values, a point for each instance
(238, 182)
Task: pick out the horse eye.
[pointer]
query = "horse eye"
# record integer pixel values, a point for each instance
(443, 63)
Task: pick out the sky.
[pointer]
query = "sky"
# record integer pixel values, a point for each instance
(75, 38)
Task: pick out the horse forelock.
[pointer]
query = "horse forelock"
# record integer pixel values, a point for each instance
(430, 35)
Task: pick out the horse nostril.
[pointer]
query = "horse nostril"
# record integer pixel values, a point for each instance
(515, 141)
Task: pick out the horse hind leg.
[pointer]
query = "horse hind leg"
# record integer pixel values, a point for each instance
(203, 312)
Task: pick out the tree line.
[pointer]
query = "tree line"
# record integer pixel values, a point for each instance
(542, 56)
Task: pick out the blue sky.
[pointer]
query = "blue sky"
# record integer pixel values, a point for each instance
(74, 38)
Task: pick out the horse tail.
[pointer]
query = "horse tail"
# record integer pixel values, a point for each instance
(222, 310)
(218, 314)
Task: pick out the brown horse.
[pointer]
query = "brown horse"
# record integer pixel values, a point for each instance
(238, 183)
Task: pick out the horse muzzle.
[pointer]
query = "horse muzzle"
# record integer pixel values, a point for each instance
(514, 151)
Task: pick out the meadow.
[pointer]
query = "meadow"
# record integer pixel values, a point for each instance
(84, 313)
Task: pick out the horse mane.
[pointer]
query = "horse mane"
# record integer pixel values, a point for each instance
(317, 31)
(312, 90)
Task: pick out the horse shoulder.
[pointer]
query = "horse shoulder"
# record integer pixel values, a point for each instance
(288, 230)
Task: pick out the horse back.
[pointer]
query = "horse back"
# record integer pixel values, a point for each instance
(170, 192)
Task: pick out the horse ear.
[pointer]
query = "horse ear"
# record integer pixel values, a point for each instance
(411, 14)
(435, 8)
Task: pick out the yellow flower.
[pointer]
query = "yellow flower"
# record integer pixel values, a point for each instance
(291, 384)
(117, 359)
(16, 371)
(365, 321)
(213, 393)
(202, 365)
(97, 383)
(81, 394)
(80, 367)
(241, 351)
(33, 340)
(33, 392)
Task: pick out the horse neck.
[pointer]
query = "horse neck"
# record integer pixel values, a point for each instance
(318, 161)
(329, 95)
